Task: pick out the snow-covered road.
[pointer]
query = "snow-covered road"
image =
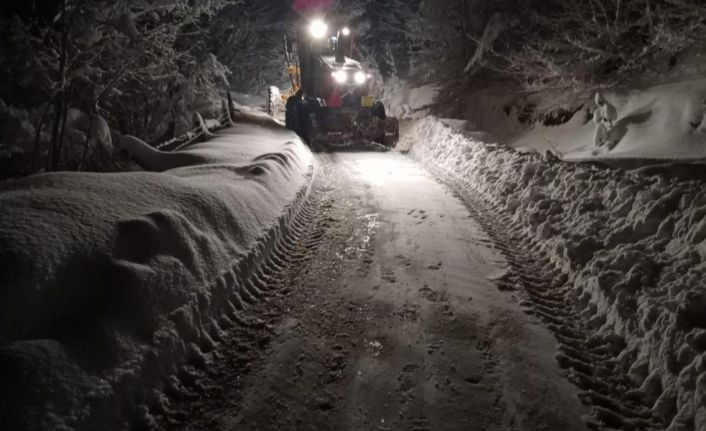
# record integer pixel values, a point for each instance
(389, 319)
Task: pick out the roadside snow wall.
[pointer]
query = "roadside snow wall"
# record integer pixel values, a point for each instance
(109, 282)
(631, 248)
(662, 122)
(402, 100)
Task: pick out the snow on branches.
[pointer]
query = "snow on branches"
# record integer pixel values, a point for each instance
(139, 64)
(551, 43)
(572, 42)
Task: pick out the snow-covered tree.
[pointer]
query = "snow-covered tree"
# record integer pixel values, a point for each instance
(248, 37)
(382, 31)
(139, 64)
(574, 42)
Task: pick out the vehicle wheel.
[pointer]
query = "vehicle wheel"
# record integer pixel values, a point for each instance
(378, 110)
(392, 132)
(313, 132)
(290, 117)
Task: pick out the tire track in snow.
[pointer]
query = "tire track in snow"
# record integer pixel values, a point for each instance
(589, 360)
(203, 384)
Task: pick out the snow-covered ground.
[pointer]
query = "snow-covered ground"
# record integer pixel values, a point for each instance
(387, 318)
(665, 121)
(110, 282)
(249, 101)
(402, 100)
(630, 254)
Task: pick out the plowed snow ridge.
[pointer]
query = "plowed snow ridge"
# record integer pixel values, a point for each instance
(619, 264)
(109, 282)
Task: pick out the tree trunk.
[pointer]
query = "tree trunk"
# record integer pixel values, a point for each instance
(53, 157)
(63, 124)
(59, 103)
(231, 107)
(38, 134)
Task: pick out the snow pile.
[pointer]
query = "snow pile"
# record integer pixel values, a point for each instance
(662, 122)
(110, 282)
(402, 100)
(633, 248)
(251, 100)
(257, 115)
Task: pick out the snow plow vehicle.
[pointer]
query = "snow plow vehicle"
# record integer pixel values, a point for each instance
(330, 105)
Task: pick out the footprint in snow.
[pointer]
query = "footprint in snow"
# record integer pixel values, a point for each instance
(435, 266)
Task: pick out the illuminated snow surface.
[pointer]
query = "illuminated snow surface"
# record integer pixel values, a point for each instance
(392, 320)
(632, 248)
(666, 121)
(109, 281)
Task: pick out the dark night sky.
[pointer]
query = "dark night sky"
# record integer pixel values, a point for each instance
(45, 9)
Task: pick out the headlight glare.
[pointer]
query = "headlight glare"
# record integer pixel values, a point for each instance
(360, 77)
(340, 76)
(318, 29)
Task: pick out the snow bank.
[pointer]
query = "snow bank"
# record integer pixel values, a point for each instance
(108, 282)
(253, 109)
(254, 101)
(661, 122)
(633, 249)
(403, 100)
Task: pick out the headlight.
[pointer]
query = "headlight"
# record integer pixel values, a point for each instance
(318, 29)
(360, 78)
(346, 31)
(340, 76)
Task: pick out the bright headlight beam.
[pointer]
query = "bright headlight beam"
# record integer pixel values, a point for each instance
(346, 31)
(318, 29)
(360, 77)
(340, 76)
